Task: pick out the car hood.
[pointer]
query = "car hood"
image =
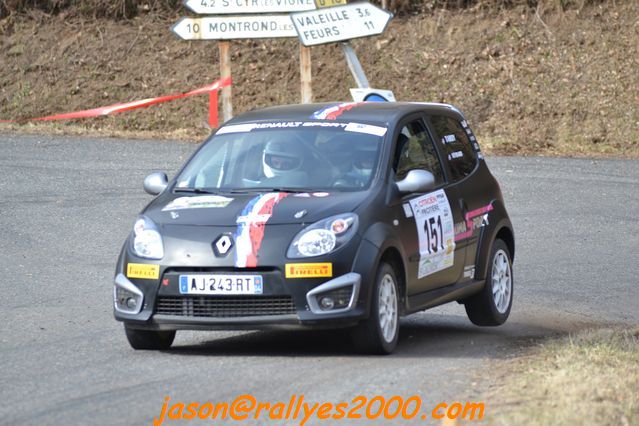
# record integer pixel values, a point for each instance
(276, 208)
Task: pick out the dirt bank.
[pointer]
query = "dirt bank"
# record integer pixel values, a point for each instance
(555, 83)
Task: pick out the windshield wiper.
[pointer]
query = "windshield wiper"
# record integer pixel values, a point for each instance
(194, 190)
(267, 189)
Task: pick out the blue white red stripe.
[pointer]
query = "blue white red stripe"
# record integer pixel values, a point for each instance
(334, 111)
(250, 228)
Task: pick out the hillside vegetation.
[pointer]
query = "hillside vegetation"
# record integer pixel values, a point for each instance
(550, 77)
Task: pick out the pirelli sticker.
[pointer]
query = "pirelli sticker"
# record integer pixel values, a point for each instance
(309, 270)
(143, 270)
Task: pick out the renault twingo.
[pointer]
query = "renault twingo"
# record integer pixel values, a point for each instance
(320, 216)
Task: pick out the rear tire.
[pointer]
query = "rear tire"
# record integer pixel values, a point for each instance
(380, 332)
(149, 339)
(491, 306)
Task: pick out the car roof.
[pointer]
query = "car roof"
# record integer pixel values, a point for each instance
(382, 113)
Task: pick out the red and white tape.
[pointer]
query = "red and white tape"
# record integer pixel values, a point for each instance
(211, 89)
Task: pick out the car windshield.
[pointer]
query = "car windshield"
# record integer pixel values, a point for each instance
(285, 156)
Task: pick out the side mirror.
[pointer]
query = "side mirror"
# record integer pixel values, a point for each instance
(155, 183)
(416, 181)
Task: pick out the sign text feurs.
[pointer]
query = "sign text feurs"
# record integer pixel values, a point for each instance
(340, 23)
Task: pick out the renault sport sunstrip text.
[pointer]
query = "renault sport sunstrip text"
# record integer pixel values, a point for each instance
(320, 216)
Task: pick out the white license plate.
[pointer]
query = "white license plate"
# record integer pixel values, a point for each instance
(221, 284)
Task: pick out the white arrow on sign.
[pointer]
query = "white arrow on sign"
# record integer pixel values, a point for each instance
(340, 23)
(234, 27)
(214, 7)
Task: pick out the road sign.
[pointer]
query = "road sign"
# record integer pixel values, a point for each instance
(339, 23)
(234, 27)
(213, 7)
(328, 3)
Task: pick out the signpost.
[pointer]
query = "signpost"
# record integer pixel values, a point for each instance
(244, 26)
(328, 3)
(234, 27)
(219, 7)
(340, 23)
(225, 71)
(354, 65)
(306, 89)
(332, 21)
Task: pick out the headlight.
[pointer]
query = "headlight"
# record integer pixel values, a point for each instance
(147, 241)
(324, 236)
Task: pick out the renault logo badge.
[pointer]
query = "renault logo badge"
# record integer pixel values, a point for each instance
(223, 245)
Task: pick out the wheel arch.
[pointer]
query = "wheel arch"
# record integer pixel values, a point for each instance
(393, 257)
(383, 238)
(501, 229)
(506, 235)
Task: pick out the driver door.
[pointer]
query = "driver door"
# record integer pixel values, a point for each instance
(427, 231)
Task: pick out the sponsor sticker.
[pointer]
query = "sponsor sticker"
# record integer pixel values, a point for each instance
(278, 125)
(366, 128)
(333, 112)
(199, 202)
(475, 219)
(143, 270)
(434, 221)
(407, 210)
(236, 128)
(309, 270)
(449, 139)
(323, 124)
(469, 271)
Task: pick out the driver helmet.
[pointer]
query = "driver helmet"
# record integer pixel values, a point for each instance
(282, 157)
(364, 158)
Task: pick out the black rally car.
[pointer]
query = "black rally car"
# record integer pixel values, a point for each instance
(324, 215)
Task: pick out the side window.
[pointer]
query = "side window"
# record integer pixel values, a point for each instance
(414, 150)
(456, 146)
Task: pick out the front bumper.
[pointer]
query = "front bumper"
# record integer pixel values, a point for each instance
(285, 301)
(297, 305)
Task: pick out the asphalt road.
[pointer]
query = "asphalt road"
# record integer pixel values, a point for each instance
(67, 204)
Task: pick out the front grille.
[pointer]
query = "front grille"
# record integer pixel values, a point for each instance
(224, 306)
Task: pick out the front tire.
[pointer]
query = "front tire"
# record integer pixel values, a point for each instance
(380, 332)
(492, 305)
(149, 339)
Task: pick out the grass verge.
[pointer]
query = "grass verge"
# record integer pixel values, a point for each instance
(589, 378)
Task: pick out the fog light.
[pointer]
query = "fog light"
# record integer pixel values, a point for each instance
(327, 303)
(336, 296)
(131, 303)
(335, 299)
(127, 297)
